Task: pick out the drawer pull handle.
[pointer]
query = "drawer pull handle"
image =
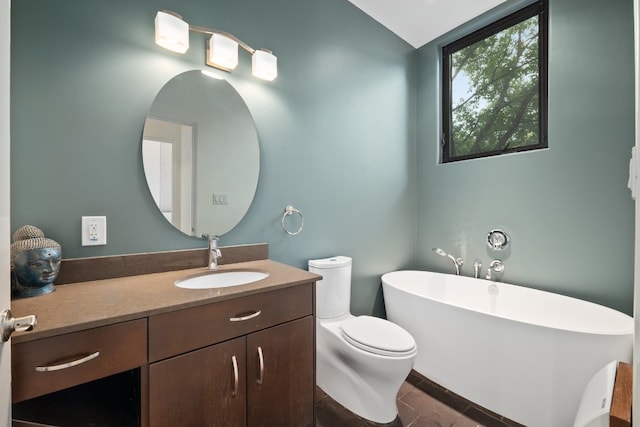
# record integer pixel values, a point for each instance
(261, 363)
(242, 318)
(65, 365)
(236, 379)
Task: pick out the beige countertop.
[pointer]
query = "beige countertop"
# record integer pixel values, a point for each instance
(84, 305)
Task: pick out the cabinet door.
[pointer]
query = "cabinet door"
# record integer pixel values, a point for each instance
(201, 388)
(280, 375)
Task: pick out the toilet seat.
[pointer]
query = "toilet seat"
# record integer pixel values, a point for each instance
(378, 336)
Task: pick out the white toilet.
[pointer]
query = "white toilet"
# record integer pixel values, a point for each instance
(361, 360)
(595, 405)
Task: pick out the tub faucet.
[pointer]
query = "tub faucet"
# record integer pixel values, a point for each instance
(457, 262)
(214, 252)
(477, 266)
(497, 266)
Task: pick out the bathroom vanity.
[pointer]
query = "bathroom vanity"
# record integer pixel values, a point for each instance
(139, 351)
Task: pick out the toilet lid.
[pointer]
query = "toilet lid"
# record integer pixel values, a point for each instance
(377, 336)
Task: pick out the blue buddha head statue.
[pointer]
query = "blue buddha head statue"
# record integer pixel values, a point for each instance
(35, 262)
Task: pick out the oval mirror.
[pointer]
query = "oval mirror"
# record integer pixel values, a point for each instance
(200, 154)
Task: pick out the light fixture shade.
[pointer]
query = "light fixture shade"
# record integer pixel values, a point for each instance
(172, 32)
(222, 52)
(265, 65)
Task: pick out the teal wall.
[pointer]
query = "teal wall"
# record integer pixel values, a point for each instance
(567, 208)
(348, 135)
(336, 128)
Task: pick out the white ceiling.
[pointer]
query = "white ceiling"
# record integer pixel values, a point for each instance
(420, 21)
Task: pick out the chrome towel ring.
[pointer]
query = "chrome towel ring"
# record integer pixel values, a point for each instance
(290, 210)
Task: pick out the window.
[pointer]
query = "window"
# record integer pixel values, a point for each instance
(495, 88)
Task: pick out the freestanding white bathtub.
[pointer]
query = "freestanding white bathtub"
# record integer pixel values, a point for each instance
(522, 353)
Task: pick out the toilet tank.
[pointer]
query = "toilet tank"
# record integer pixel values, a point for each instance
(333, 292)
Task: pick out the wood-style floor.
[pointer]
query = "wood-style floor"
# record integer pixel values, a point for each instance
(421, 403)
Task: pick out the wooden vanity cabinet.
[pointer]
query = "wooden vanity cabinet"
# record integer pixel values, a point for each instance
(242, 362)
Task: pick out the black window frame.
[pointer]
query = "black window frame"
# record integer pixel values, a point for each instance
(539, 9)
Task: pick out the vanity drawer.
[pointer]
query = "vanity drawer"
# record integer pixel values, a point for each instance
(51, 364)
(181, 331)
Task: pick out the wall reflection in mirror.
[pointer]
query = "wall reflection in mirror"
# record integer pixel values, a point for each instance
(200, 154)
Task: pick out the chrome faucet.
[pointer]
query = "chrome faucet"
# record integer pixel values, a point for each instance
(457, 262)
(497, 266)
(214, 252)
(477, 266)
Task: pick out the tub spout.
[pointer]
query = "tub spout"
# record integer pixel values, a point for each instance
(497, 266)
(457, 262)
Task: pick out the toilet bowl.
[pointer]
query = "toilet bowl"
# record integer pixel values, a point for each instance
(595, 405)
(361, 361)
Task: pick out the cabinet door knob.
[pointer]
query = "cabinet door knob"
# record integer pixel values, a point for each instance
(234, 362)
(260, 366)
(245, 316)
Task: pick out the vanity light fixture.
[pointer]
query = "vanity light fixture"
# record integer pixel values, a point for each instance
(172, 33)
(264, 65)
(222, 52)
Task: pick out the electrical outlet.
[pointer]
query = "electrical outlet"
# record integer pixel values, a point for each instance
(94, 230)
(94, 234)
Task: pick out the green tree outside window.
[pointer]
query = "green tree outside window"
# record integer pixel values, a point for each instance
(495, 88)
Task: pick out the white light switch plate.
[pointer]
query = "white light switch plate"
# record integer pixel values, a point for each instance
(94, 230)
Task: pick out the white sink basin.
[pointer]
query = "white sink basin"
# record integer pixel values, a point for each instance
(221, 279)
